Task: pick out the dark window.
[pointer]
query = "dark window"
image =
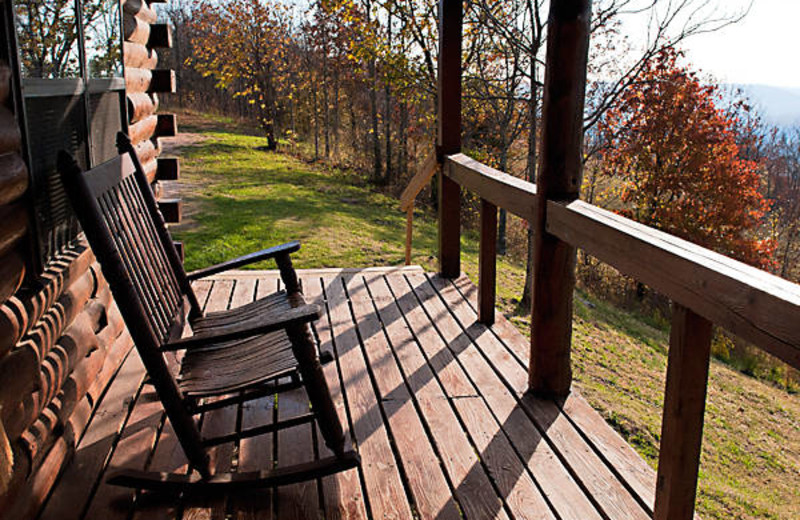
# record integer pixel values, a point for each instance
(70, 64)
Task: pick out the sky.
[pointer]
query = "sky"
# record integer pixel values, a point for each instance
(764, 48)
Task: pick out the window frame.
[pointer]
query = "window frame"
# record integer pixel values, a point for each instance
(83, 86)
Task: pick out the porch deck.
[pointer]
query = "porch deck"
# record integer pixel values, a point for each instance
(434, 403)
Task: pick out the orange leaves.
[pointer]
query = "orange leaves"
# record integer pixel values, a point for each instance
(676, 155)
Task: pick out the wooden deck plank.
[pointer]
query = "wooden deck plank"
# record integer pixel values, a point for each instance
(600, 482)
(502, 410)
(385, 493)
(435, 403)
(70, 496)
(133, 451)
(296, 445)
(255, 453)
(326, 272)
(168, 456)
(565, 495)
(620, 456)
(342, 494)
(428, 485)
(215, 422)
(514, 484)
(472, 487)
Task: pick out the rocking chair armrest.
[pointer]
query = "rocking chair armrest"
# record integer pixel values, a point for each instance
(252, 327)
(265, 254)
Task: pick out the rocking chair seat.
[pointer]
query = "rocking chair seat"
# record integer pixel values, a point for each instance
(236, 365)
(228, 366)
(275, 304)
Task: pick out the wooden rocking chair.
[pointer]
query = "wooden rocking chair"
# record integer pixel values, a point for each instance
(240, 354)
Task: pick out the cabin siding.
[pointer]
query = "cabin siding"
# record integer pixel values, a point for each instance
(62, 340)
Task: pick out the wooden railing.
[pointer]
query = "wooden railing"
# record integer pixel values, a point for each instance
(705, 287)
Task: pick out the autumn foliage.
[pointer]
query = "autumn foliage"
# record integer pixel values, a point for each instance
(675, 163)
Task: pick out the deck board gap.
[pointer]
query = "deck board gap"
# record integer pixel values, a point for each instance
(453, 409)
(477, 395)
(384, 417)
(348, 412)
(413, 396)
(577, 476)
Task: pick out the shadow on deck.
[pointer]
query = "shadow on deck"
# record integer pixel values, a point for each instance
(435, 404)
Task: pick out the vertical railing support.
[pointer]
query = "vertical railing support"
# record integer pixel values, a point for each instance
(487, 265)
(449, 135)
(684, 406)
(559, 178)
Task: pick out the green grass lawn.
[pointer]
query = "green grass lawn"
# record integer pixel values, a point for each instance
(238, 199)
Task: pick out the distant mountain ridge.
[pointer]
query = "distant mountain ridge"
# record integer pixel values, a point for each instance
(779, 106)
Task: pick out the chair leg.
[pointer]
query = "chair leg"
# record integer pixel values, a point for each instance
(317, 388)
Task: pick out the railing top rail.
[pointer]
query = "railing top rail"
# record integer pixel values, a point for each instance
(501, 189)
(753, 304)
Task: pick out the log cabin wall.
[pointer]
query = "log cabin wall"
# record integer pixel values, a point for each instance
(62, 338)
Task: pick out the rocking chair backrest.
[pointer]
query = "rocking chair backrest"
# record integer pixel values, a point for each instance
(114, 214)
(125, 215)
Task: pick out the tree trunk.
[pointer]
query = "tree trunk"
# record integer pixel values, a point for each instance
(533, 107)
(387, 118)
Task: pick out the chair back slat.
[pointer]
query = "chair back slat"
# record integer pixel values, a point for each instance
(116, 212)
(166, 271)
(156, 266)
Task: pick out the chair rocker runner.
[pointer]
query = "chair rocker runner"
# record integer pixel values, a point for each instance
(236, 355)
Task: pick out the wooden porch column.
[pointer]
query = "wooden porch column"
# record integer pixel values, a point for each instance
(684, 408)
(559, 178)
(449, 135)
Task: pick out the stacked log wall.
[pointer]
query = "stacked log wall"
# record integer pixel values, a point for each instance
(62, 338)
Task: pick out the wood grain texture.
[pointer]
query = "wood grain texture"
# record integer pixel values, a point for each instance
(435, 385)
(13, 177)
(140, 106)
(417, 375)
(144, 129)
(15, 224)
(343, 496)
(12, 271)
(558, 177)
(751, 303)
(135, 29)
(138, 56)
(684, 407)
(140, 9)
(384, 487)
(502, 380)
(141, 80)
(503, 190)
(421, 464)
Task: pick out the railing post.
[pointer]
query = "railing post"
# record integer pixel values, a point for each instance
(487, 265)
(682, 423)
(449, 135)
(559, 178)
